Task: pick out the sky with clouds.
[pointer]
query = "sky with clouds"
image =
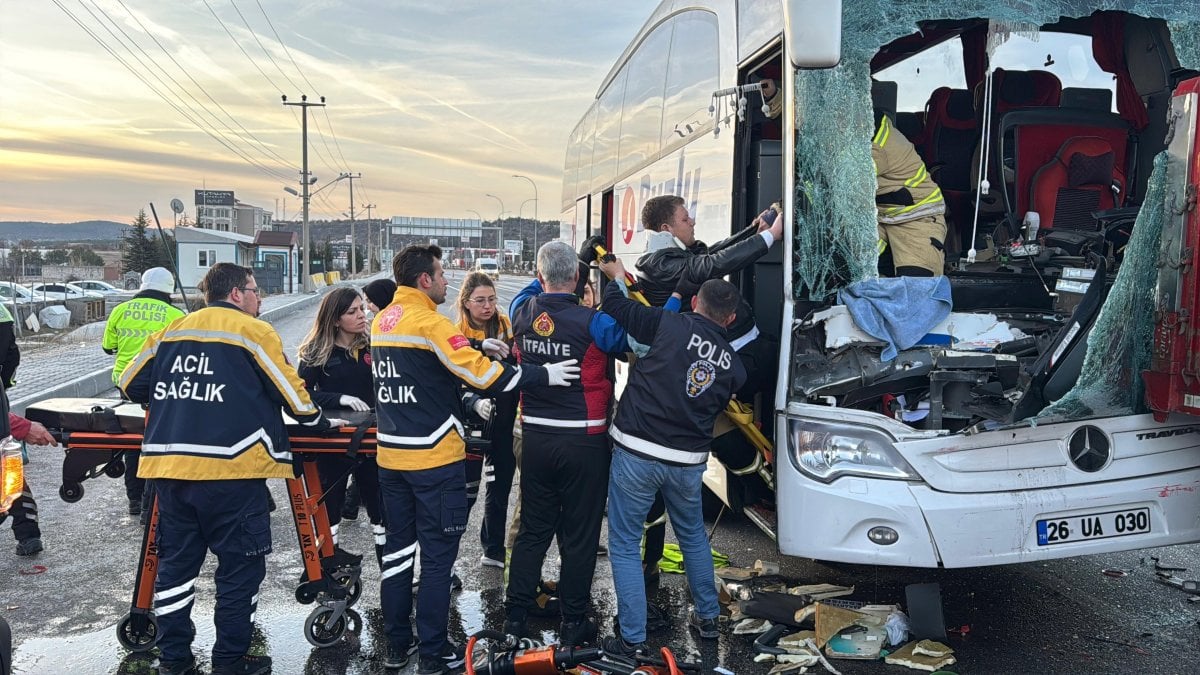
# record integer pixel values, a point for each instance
(435, 102)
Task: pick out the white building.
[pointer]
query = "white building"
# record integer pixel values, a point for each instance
(198, 249)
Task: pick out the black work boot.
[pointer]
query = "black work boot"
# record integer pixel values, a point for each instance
(246, 665)
(577, 632)
(617, 646)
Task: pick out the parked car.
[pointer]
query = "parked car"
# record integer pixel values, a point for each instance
(11, 292)
(101, 287)
(61, 291)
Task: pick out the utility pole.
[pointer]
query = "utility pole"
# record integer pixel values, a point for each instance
(370, 222)
(304, 105)
(353, 258)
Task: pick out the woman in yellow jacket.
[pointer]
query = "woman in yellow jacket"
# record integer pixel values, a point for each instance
(479, 317)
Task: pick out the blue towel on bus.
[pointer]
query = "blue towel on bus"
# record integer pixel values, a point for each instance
(898, 311)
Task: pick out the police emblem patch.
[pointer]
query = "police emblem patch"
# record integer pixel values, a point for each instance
(700, 376)
(543, 325)
(390, 317)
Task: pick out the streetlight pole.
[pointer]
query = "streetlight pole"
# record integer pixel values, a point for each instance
(535, 211)
(480, 225)
(368, 208)
(499, 243)
(353, 243)
(304, 105)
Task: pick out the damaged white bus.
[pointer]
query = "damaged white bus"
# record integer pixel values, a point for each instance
(1017, 429)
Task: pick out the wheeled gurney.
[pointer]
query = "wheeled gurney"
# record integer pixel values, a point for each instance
(96, 434)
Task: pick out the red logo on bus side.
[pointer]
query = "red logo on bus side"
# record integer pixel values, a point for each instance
(628, 215)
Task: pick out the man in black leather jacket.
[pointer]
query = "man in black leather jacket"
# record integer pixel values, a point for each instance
(672, 250)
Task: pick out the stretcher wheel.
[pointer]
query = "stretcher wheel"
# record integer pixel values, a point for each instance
(71, 492)
(352, 585)
(319, 632)
(115, 469)
(134, 640)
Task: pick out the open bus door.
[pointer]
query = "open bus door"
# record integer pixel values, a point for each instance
(1173, 380)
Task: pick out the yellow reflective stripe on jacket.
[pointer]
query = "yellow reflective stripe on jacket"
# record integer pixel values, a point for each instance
(934, 197)
(130, 323)
(898, 167)
(420, 361)
(883, 132)
(470, 331)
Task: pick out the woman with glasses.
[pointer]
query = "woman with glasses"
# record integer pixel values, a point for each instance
(479, 317)
(335, 362)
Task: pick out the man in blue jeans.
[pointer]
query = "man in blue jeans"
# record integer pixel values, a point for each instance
(661, 436)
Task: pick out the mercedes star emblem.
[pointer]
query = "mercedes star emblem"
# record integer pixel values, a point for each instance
(1089, 448)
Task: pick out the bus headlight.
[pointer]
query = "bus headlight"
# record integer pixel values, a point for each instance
(825, 451)
(12, 473)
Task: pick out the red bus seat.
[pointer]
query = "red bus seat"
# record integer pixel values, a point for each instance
(1077, 182)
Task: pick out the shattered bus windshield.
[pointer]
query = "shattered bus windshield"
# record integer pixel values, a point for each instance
(1044, 134)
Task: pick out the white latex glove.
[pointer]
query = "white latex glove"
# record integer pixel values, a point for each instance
(497, 349)
(562, 373)
(353, 403)
(335, 423)
(484, 408)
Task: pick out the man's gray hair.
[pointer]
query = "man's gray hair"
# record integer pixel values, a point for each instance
(558, 264)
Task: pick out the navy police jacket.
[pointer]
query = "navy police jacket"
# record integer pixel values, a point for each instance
(678, 388)
(216, 380)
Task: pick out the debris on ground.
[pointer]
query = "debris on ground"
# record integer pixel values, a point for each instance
(1187, 585)
(752, 626)
(932, 656)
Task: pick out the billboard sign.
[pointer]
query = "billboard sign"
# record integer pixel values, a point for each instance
(514, 246)
(214, 198)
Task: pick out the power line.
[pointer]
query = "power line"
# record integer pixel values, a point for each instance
(178, 86)
(337, 145)
(244, 52)
(160, 95)
(285, 49)
(316, 125)
(261, 46)
(332, 164)
(199, 86)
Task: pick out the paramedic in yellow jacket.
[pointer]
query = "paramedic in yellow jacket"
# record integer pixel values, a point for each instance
(216, 381)
(420, 358)
(909, 204)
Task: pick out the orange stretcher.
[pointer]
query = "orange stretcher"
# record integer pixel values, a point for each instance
(96, 434)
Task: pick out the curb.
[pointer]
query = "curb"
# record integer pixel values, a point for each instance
(99, 381)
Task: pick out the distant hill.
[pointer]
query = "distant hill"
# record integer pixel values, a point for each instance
(87, 230)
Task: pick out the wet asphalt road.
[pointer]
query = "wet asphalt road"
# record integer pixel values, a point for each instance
(1061, 616)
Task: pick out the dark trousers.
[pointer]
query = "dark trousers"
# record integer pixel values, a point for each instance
(473, 471)
(335, 471)
(430, 507)
(24, 514)
(564, 483)
(135, 488)
(656, 536)
(229, 518)
(495, 504)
